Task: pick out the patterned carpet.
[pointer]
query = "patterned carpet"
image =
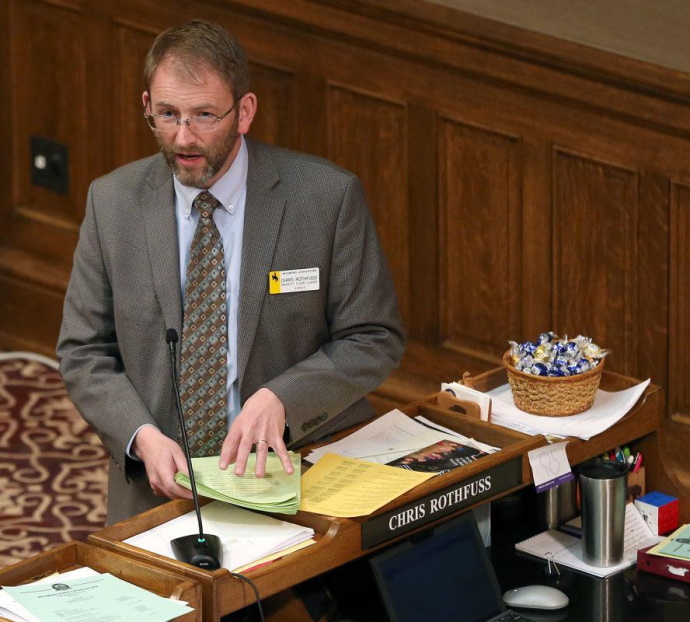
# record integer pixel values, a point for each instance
(53, 467)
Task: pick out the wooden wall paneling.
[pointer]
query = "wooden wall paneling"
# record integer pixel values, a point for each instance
(367, 134)
(277, 94)
(480, 227)
(536, 239)
(50, 50)
(100, 120)
(595, 260)
(31, 310)
(7, 134)
(653, 278)
(679, 329)
(312, 136)
(134, 139)
(423, 284)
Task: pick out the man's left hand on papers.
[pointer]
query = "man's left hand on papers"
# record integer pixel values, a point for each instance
(261, 424)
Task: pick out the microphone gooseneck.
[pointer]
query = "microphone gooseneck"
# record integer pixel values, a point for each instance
(203, 551)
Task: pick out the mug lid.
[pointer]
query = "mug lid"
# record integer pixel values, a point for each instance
(605, 469)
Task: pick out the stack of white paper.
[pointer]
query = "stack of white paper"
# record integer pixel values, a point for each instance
(608, 409)
(392, 436)
(246, 536)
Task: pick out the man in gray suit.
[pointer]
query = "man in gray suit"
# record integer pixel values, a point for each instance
(298, 362)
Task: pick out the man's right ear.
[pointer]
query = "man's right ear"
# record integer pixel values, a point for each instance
(145, 99)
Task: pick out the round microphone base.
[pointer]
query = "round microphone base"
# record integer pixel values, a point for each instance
(206, 553)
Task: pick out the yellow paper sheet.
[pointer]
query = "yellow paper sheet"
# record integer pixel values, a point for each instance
(344, 487)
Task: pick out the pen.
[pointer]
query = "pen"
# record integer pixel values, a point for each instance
(638, 463)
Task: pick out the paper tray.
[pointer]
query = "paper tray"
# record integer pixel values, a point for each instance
(643, 419)
(223, 593)
(75, 555)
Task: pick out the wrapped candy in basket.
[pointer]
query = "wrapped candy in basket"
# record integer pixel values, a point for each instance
(553, 376)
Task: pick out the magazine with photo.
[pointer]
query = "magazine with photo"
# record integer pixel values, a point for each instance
(440, 457)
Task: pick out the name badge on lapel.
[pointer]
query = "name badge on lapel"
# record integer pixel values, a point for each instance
(286, 281)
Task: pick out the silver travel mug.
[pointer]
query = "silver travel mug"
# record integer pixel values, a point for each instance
(603, 488)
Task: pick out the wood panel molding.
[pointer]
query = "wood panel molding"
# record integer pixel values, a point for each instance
(480, 211)
(594, 245)
(354, 117)
(441, 36)
(679, 330)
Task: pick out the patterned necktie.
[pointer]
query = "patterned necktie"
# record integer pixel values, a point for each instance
(203, 357)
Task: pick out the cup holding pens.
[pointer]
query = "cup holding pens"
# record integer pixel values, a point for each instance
(603, 487)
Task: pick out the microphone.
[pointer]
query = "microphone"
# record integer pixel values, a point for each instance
(202, 550)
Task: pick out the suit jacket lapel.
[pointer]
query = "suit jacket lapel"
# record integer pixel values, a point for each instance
(262, 218)
(158, 207)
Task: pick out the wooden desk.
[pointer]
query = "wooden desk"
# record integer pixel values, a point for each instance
(342, 540)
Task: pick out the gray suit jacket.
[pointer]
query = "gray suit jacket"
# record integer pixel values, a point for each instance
(319, 351)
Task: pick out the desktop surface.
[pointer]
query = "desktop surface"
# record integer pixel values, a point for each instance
(628, 596)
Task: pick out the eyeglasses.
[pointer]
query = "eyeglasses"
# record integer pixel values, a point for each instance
(198, 123)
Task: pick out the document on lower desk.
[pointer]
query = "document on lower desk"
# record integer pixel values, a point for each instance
(12, 610)
(103, 598)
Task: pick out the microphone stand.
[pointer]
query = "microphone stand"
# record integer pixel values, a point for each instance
(202, 551)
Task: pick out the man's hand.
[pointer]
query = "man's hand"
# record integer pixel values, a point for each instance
(261, 422)
(162, 458)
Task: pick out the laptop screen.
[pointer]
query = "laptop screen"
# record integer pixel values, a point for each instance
(445, 575)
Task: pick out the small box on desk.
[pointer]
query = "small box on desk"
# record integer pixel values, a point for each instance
(75, 555)
(659, 511)
(669, 567)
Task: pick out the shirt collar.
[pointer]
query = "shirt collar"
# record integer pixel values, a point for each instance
(228, 189)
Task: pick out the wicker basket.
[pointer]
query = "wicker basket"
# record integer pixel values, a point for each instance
(552, 396)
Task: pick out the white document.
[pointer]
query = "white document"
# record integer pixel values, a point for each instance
(472, 442)
(246, 536)
(386, 438)
(567, 550)
(608, 409)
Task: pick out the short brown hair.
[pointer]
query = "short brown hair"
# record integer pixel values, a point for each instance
(197, 47)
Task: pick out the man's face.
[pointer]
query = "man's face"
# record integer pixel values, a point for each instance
(197, 159)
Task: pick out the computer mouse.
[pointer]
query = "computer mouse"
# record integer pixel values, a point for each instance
(536, 597)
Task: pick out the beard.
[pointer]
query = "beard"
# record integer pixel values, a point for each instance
(215, 156)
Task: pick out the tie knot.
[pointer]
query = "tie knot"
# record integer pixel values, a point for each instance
(205, 202)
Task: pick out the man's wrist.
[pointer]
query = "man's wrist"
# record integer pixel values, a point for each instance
(131, 449)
